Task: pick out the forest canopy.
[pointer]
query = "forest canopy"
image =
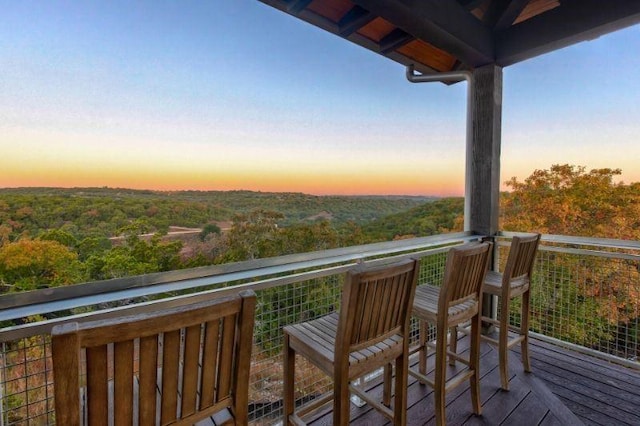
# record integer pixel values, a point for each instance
(51, 236)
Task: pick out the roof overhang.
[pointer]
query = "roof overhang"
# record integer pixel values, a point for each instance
(447, 35)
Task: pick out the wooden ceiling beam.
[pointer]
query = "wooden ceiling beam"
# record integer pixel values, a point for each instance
(355, 19)
(397, 38)
(444, 24)
(574, 21)
(502, 13)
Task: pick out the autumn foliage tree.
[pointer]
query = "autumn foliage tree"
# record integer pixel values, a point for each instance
(568, 200)
(602, 293)
(31, 264)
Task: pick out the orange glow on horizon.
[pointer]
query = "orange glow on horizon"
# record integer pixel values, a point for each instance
(185, 167)
(377, 187)
(355, 183)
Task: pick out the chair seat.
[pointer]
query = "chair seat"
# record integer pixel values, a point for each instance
(493, 284)
(425, 306)
(316, 340)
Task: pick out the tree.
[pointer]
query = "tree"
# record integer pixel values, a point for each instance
(209, 228)
(63, 237)
(252, 236)
(601, 293)
(31, 264)
(568, 200)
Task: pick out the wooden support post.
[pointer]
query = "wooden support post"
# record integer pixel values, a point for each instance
(483, 163)
(483, 160)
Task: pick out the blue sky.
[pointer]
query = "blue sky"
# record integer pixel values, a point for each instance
(237, 95)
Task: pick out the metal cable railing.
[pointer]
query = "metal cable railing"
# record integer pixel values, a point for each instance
(585, 296)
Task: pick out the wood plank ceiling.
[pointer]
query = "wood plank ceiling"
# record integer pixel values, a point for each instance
(445, 35)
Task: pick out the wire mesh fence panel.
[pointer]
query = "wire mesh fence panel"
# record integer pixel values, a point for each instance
(26, 382)
(585, 297)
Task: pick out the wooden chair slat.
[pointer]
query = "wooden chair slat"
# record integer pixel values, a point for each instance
(395, 304)
(191, 369)
(123, 353)
(147, 387)
(170, 376)
(246, 324)
(209, 363)
(375, 310)
(66, 350)
(226, 356)
(97, 385)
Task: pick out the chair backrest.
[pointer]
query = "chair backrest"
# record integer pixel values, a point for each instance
(522, 255)
(464, 274)
(376, 304)
(195, 357)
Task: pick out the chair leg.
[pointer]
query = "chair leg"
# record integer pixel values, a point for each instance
(386, 390)
(524, 330)
(453, 343)
(474, 364)
(440, 376)
(341, 396)
(400, 399)
(422, 356)
(289, 376)
(503, 341)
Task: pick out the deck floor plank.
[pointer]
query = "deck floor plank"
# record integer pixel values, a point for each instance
(501, 404)
(596, 390)
(527, 412)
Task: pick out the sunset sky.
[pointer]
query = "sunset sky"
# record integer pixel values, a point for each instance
(236, 95)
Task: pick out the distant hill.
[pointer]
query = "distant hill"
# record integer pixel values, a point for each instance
(105, 210)
(442, 215)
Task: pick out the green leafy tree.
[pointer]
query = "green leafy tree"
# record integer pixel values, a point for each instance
(597, 298)
(252, 236)
(208, 229)
(568, 200)
(31, 264)
(63, 237)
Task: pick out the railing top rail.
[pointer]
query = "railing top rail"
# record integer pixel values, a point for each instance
(584, 241)
(22, 305)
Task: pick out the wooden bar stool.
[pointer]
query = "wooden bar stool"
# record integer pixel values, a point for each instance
(514, 282)
(458, 300)
(369, 332)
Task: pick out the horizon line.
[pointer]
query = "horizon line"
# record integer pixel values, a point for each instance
(226, 190)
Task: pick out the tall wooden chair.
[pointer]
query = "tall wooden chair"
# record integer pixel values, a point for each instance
(515, 281)
(458, 300)
(194, 360)
(370, 331)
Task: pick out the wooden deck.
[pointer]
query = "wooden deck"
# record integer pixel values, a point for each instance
(566, 388)
(598, 392)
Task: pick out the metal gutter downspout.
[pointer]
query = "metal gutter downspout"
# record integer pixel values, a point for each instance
(455, 76)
